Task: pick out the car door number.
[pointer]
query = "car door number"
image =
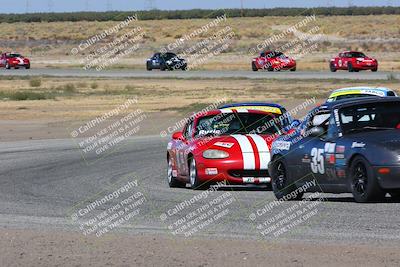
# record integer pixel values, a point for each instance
(317, 162)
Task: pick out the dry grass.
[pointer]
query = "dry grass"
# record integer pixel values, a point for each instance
(75, 99)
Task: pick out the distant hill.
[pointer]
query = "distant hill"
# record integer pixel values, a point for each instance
(196, 14)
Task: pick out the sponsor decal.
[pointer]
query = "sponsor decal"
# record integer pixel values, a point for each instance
(224, 144)
(246, 108)
(174, 173)
(306, 159)
(340, 156)
(340, 149)
(205, 132)
(281, 145)
(341, 173)
(330, 147)
(169, 146)
(358, 145)
(374, 92)
(211, 171)
(330, 158)
(258, 180)
(340, 162)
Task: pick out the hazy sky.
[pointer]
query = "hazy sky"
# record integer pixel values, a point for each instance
(21, 6)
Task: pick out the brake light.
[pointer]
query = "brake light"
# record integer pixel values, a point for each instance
(384, 171)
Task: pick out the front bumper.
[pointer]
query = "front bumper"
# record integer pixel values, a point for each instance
(365, 66)
(231, 171)
(18, 64)
(389, 180)
(284, 66)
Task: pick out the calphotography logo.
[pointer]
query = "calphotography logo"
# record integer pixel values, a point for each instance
(280, 217)
(103, 134)
(109, 209)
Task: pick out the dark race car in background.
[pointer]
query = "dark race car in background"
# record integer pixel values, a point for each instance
(231, 144)
(273, 61)
(353, 61)
(348, 146)
(14, 60)
(166, 61)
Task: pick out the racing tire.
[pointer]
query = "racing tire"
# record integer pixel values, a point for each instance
(375, 69)
(195, 183)
(254, 67)
(332, 67)
(28, 66)
(172, 182)
(271, 69)
(281, 184)
(293, 69)
(148, 67)
(350, 67)
(8, 66)
(163, 68)
(364, 185)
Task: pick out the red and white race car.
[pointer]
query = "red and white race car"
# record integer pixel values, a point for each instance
(273, 61)
(353, 61)
(231, 144)
(14, 60)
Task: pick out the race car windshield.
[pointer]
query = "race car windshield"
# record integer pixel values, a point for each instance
(357, 54)
(169, 56)
(240, 123)
(370, 117)
(13, 55)
(353, 96)
(276, 54)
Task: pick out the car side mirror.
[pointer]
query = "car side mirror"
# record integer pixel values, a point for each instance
(317, 132)
(178, 136)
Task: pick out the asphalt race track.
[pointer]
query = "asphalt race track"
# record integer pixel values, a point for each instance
(363, 75)
(40, 181)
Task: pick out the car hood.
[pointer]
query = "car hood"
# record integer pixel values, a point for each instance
(237, 141)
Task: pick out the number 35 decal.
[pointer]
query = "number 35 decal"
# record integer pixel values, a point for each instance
(317, 162)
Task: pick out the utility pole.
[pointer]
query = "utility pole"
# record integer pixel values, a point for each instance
(50, 5)
(150, 4)
(86, 5)
(109, 5)
(27, 6)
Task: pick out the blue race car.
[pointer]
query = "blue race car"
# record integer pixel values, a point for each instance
(353, 92)
(347, 146)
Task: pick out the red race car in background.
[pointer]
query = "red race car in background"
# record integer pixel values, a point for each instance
(353, 61)
(231, 144)
(14, 60)
(273, 60)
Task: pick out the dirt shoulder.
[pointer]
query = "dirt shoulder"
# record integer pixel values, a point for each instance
(45, 248)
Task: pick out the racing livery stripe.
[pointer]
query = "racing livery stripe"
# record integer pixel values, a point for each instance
(263, 151)
(256, 153)
(249, 162)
